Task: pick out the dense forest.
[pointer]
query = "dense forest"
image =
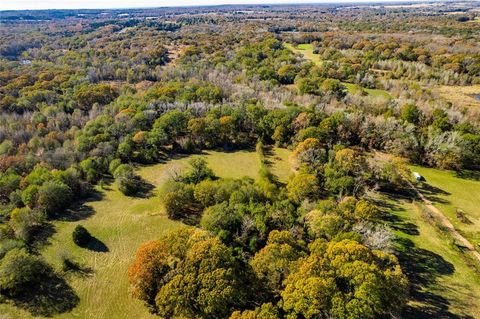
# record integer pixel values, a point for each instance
(87, 96)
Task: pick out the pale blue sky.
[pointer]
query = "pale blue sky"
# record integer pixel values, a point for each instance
(76, 4)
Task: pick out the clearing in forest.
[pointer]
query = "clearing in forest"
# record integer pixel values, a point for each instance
(306, 50)
(463, 97)
(443, 284)
(120, 224)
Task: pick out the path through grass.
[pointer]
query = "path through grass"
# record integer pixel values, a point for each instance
(455, 196)
(443, 284)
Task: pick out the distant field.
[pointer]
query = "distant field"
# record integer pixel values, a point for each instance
(467, 97)
(449, 192)
(306, 50)
(122, 223)
(443, 285)
(351, 88)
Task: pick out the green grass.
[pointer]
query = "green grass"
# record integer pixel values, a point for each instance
(122, 223)
(450, 192)
(306, 50)
(353, 88)
(234, 165)
(280, 166)
(442, 282)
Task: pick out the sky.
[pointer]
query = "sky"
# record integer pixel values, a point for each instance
(104, 4)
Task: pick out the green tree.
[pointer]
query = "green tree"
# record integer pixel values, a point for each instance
(274, 262)
(265, 311)
(222, 220)
(19, 271)
(410, 113)
(345, 280)
(24, 220)
(180, 202)
(190, 273)
(53, 197)
(169, 127)
(334, 87)
(128, 182)
(303, 186)
(197, 171)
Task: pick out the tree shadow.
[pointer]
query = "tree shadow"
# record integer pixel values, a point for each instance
(73, 267)
(145, 189)
(395, 222)
(434, 306)
(432, 193)
(422, 268)
(51, 296)
(468, 174)
(95, 244)
(79, 210)
(407, 228)
(41, 236)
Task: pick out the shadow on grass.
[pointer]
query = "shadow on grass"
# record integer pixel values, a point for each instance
(145, 189)
(79, 210)
(467, 174)
(422, 267)
(51, 296)
(41, 236)
(71, 266)
(394, 221)
(432, 193)
(97, 245)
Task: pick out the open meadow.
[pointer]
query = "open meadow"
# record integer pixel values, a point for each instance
(306, 51)
(444, 284)
(457, 195)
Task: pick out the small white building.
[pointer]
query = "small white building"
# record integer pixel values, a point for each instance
(418, 177)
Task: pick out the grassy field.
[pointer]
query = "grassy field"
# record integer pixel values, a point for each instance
(461, 96)
(452, 193)
(280, 163)
(120, 224)
(351, 88)
(443, 285)
(306, 50)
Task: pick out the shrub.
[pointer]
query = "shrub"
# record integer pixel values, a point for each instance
(129, 183)
(81, 236)
(198, 171)
(24, 220)
(53, 196)
(181, 202)
(114, 164)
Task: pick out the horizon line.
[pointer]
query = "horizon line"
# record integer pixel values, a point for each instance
(327, 2)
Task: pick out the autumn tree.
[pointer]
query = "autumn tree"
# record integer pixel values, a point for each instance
(187, 273)
(274, 262)
(345, 280)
